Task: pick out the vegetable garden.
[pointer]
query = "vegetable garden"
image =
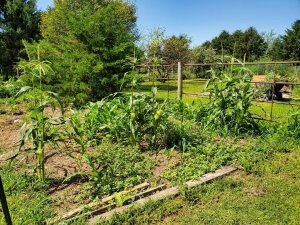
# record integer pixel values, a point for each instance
(95, 119)
(128, 138)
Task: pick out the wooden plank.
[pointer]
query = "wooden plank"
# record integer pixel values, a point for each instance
(92, 213)
(94, 204)
(148, 192)
(170, 192)
(211, 176)
(105, 208)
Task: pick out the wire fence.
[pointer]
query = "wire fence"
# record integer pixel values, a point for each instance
(275, 71)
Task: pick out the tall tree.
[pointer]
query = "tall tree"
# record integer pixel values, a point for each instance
(287, 46)
(253, 45)
(270, 39)
(291, 42)
(154, 46)
(223, 43)
(19, 20)
(176, 49)
(87, 43)
(239, 44)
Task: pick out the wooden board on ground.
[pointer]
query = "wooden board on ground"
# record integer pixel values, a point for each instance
(170, 192)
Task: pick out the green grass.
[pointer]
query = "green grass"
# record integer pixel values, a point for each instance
(280, 111)
(168, 89)
(271, 196)
(26, 198)
(188, 86)
(296, 92)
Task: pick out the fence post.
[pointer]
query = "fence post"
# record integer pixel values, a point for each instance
(4, 204)
(179, 88)
(273, 91)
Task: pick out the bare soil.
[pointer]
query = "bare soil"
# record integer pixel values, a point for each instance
(66, 195)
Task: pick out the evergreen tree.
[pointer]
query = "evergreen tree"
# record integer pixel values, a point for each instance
(287, 47)
(291, 42)
(88, 43)
(19, 20)
(239, 44)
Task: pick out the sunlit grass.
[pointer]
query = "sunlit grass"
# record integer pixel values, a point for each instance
(193, 94)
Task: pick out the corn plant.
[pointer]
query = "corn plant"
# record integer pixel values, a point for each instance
(41, 129)
(230, 98)
(125, 119)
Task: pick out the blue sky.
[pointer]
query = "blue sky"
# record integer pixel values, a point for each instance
(204, 19)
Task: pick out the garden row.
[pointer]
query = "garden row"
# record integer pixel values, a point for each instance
(126, 139)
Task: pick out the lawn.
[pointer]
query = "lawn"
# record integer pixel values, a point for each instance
(271, 195)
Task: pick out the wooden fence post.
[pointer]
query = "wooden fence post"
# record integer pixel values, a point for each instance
(179, 88)
(4, 204)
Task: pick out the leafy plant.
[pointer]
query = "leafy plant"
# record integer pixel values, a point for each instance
(134, 119)
(41, 128)
(294, 124)
(230, 99)
(115, 168)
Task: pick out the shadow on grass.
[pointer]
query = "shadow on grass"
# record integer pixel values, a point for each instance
(162, 87)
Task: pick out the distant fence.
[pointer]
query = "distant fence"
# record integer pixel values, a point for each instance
(180, 67)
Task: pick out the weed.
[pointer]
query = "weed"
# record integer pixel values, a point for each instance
(115, 168)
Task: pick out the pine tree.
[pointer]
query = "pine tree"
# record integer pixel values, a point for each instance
(19, 20)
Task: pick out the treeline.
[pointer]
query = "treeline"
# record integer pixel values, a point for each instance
(249, 45)
(92, 44)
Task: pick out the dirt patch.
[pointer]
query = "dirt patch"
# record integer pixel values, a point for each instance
(9, 134)
(162, 163)
(68, 197)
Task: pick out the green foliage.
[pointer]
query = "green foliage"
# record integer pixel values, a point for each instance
(202, 54)
(176, 49)
(294, 124)
(87, 43)
(136, 119)
(41, 127)
(9, 88)
(26, 198)
(160, 50)
(19, 20)
(249, 44)
(116, 168)
(198, 160)
(230, 100)
(131, 80)
(287, 46)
